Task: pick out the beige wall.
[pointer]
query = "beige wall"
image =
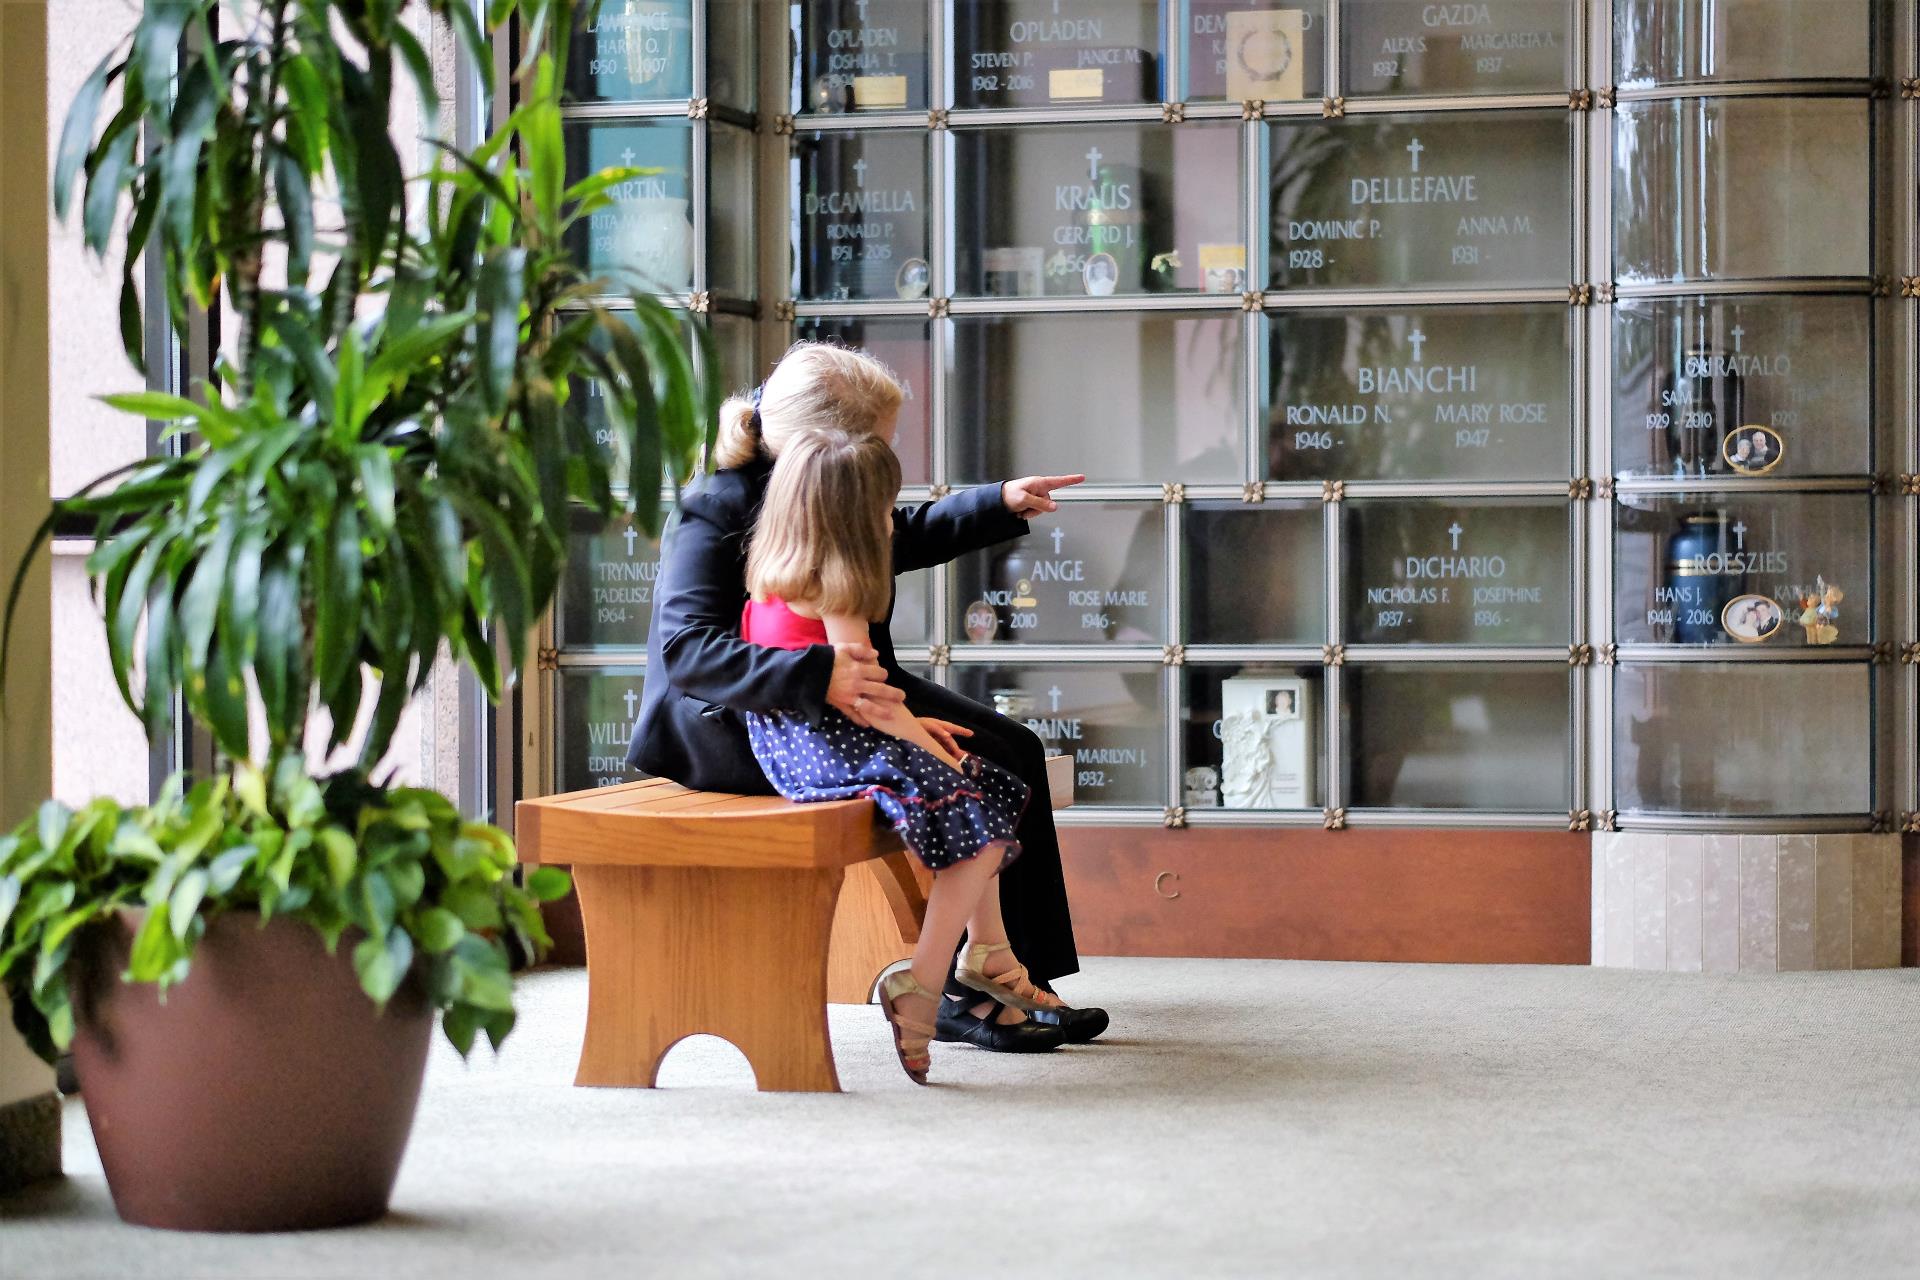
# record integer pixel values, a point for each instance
(24, 756)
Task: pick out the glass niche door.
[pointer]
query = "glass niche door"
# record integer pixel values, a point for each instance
(1320, 369)
(1754, 553)
(664, 87)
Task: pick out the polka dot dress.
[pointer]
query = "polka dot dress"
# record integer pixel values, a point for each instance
(943, 815)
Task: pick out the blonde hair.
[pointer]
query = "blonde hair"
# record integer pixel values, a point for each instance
(816, 386)
(822, 538)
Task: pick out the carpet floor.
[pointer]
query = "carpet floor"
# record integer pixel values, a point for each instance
(1244, 1118)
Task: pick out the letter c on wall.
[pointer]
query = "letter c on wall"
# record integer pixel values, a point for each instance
(1159, 885)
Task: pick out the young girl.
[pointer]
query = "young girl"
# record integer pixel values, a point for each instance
(819, 570)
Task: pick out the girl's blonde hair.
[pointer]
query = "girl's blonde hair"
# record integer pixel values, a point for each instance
(822, 538)
(816, 386)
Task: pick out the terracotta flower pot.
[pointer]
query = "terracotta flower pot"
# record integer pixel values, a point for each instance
(264, 1094)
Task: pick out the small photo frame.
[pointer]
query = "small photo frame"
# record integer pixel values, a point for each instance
(1753, 450)
(1013, 272)
(1101, 274)
(1223, 268)
(913, 279)
(1283, 704)
(1752, 619)
(982, 622)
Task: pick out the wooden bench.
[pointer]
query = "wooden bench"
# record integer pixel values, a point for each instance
(724, 915)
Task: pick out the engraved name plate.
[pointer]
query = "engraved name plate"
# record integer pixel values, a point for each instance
(1493, 573)
(1453, 393)
(1090, 573)
(862, 215)
(644, 238)
(1110, 719)
(1744, 568)
(861, 55)
(1414, 201)
(633, 51)
(1028, 53)
(1694, 378)
(606, 597)
(597, 712)
(1489, 46)
(1091, 211)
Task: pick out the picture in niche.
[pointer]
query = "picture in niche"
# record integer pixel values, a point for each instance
(1267, 745)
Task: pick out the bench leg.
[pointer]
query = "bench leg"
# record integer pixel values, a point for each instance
(680, 951)
(877, 923)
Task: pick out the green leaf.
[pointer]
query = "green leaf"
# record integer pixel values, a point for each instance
(155, 405)
(461, 1023)
(438, 929)
(549, 884)
(103, 190)
(77, 134)
(382, 963)
(376, 903)
(10, 898)
(154, 947)
(296, 212)
(343, 856)
(156, 42)
(185, 902)
(501, 294)
(376, 484)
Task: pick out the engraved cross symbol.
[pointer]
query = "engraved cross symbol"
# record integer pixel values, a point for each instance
(1053, 696)
(1093, 164)
(631, 698)
(632, 535)
(1414, 149)
(626, 157)
(1058, 534)
(1738, 333)
(860, 172)
(1455, 530)
(1416, 340)
(861, 5)
(1740, 536)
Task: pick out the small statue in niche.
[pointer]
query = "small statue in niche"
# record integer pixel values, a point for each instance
(1247, 761)
(1820, 612)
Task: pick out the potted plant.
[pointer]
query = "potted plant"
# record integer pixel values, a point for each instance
(379, 473)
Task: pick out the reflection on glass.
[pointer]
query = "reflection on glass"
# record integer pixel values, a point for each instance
(904, 346)
(730, 227)
(644, 240)
(730, 53)
(911, 622)
(1031, 53)
(1410, 201)
(1120, 397)
(1090, 573)
(633, 51)
(597, 710)
(1743, 386)
(1493, 573)
(1494, 738)
(860, 55)
(593, 407)
(1254, 574)
(860, 215)
(1743, 739)
(1743, 568)
(1455, 393)
(606, 597)
(1663, 41)
(1093, 210)
(1495, 46)
(1110, 719)
(1272, 50)
(1705, 189)
(1252, 738)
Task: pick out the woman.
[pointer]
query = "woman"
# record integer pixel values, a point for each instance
(703, 677)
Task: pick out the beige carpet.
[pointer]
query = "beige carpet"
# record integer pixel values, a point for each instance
(1245, 1119)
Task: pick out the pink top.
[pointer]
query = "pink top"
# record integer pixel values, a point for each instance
(771, 623)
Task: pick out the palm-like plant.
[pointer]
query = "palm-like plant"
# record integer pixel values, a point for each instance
(383, 464)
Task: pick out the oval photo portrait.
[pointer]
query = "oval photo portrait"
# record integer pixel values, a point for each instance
(1753, 450)
(1752, 619)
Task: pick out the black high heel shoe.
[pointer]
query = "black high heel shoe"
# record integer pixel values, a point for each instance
(956, 1025)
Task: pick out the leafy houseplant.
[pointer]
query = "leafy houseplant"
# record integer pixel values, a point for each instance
(380, 470)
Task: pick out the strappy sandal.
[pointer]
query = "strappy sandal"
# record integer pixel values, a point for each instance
(910, 1037)
(1013, 987)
